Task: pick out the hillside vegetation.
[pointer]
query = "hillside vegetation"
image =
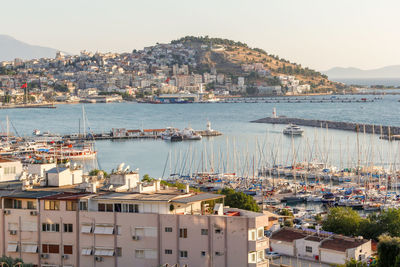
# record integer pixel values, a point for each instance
(234, 54)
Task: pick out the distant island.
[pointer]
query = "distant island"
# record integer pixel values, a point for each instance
(388, 72)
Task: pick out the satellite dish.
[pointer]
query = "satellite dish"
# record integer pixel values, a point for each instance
(120, 166)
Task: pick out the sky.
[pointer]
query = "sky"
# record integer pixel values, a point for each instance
(316, 33)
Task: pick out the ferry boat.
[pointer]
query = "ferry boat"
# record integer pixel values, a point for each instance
(293, 129)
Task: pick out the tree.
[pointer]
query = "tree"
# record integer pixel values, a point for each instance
(353, 263)
(147, 178)
(12, 262)
(341, 220)
(288, 223)
(388, 251)
(239, 200)
(286, 212)
(95, 172)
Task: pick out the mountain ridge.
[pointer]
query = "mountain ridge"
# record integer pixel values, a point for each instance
(391, 71)
(12, 48)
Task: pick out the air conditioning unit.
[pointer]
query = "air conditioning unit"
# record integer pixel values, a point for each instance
(97, 258)
(34, 213)
(136, 237)
(219, 253)
(7, 212)
(13, 232)
(64, 256)
(44, 256)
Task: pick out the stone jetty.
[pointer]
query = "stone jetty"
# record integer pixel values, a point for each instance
(338, 125)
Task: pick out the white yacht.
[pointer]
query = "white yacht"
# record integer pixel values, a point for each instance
(293, 129)
(190, 134)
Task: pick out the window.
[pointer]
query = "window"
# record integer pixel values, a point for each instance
(105, 207)
(101, 207)
(131, 208)
(260, 255)
(204, 231)
(31, 205)
(203, 253)
(17, 204)
(71, 206)
(68, 228)
(83, 205)
(54, 249)
(168, 251)
(86, 229)
(52, 205)
(139, 253)
(308, 249)
(260, 232)
(168, 229)
(183, 233)
(252, 235)
(218, 231)
(117, 207)
(218, 253)
(183, 253)
(10, 170)
(119, 252)
(104, 229)
(109, 207)
(50, 227)
(86, 251)
(68, 249)
(252, 257)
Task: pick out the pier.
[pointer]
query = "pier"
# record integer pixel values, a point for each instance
(387, 131)
(28, 106)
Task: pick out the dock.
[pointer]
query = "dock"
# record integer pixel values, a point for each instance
(28, 106)
(382, 130)
(123, 134)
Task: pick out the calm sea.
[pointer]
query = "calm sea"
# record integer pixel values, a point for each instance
(243, 147)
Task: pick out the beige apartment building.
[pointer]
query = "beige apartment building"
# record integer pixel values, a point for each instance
(150, 225)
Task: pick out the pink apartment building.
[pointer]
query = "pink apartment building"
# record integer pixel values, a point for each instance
(66, 226)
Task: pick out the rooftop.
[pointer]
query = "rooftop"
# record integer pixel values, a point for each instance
(342, 243)
(31, 194)
(288, 234)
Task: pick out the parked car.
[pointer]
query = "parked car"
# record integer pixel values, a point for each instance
(273, 255)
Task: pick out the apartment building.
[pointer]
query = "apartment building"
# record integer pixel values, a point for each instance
(150, 225)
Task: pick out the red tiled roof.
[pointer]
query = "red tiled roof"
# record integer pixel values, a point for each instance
(133, 131)
(288, 235)
(342, 243)
(153, 130)
(6, 160)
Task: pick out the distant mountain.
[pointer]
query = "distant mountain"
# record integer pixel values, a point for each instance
(11, 48)
(354, 73)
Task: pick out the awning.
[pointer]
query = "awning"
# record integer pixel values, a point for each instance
(29, 248)
(104, 252)
(104, 230)
(12, 248)
(86, 251)
(86, 229)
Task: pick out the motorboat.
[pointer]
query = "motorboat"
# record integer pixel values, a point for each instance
(293, 129)
(190, 134)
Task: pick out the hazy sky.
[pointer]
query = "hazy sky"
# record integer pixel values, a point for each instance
(315, 33)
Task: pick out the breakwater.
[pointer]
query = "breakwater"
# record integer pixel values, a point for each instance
(337, 125)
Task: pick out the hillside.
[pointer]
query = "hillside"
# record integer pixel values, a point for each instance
(12, 48)
(230, 59)
(349, 73)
